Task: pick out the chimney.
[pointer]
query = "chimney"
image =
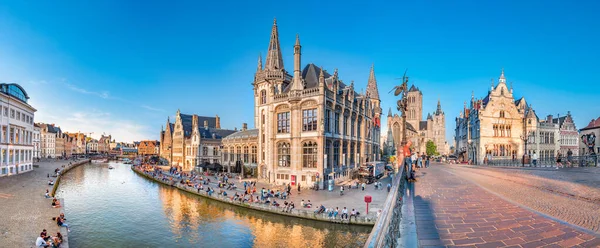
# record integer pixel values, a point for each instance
(218, 122)
(235, 128)
(549, 118)
(244, 126)
(205, 124)
(194, 121)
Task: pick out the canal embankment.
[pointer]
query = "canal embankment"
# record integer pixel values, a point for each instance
(368, 220)
(27, 211)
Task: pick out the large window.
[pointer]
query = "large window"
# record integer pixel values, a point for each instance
(263, 97)
(336, 124)
(245, 154)
(327, 120)
(205, 151)
(253, 155)
(283, 154)
(215, 151)
(283, 122)
(309, 120)
(239, 153)
(336, 153)
(309, 155)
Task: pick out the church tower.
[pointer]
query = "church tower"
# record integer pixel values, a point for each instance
(414, 113)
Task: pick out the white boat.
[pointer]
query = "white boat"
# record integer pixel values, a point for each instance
(110, 167)
(99, 160)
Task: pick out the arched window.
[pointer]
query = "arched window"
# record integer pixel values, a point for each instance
(283, 154)
(263, 96)
(231, 154)
(253, 155)
(239, 153)
(309, 155)
(245, 154)
(501, 114)
(225, 154)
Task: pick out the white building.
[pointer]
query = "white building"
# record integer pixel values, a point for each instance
(16, 148)
(48, 135)
(92, 146)
(37, 141)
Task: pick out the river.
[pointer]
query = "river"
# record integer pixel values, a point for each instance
(118, 208)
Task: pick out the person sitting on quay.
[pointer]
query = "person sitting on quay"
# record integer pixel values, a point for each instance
(55, 203)
(61, 222)
(344, 213)
(355, 214)
(40, 242)
(336, 212)
(50, 182)
(275, 203)
(47, 194)
(320, 210)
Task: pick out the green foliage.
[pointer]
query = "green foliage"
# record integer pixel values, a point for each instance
(431, 149)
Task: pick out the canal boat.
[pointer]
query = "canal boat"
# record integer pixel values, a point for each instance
(100, 160)
(110, 167)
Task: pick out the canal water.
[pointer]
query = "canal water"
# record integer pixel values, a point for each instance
(118, 208)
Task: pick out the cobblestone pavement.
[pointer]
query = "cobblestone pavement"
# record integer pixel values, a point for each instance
(571, 195)
(24, 208)
(452, 211)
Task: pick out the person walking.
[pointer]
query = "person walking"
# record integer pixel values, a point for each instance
(407, 160)
(559, 160)
(534, 159)
(389, 186)
(363, 186)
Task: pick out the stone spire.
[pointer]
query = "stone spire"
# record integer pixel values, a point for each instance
(259, 67)
(372, 90)
(439, 108)
(390, 112)
(297, 80)
(274, 59)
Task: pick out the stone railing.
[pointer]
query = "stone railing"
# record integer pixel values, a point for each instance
(568, 161)
(311, 92)
(387, 229)
(281, 96)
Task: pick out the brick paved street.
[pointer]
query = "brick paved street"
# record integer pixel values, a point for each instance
(453, 211)
(25, 209)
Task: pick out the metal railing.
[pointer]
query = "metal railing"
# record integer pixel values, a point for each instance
(570, 161)
(386, 231)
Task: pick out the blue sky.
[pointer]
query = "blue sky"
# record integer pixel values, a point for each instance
(122, 67)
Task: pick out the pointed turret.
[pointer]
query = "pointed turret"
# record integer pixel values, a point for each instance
(502, 78)
(372, 90)
(439, 108)
(259, 67)
(321, 78)
(274, 59)
(297, 83)
(390, 112)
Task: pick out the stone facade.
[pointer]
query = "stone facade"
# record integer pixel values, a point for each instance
(92, 145)
(16, 119)
(419, 131)
(497, 126)
(37, 141)
(48, 133)
(309, 123)
(148, 147)
(241, 149)
(569, 136)
(192, 141)
(104, 144)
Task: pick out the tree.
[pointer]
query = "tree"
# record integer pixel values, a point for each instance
(431, 149)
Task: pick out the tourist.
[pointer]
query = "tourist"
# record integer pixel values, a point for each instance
(363, 186)
(353, 213)
(47, 194)
(330, 213)
(378, 213)
(60, 222)
(55, 203)
(320, 210)
(336, 212)
(389, 186)
(40, 242)
(559, 160)
(341, 190)
(298, 188)
(50, 182)
(302, 203)
(309, 204)
(344, 213)
(534, 159)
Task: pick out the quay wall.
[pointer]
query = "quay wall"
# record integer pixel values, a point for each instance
(297, 213)
(65, 170)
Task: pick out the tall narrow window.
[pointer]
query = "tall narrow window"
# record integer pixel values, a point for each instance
(283, 122)
(283, 154)
(215, 151)
(327, 120)
(336, 124)
(336, 153)
(309, 120)
(245, 154)
(263, 97)
(309, 155)
(253, 155)
(205, 151)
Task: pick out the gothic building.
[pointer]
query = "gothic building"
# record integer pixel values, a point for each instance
(419, 131)
(500, 127)
(192, 141)
(310, 125)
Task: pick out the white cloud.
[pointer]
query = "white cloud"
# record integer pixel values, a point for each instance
(98, 123)
(152, 109)
(101, 94)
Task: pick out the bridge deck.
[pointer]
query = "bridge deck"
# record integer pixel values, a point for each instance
(453, 211)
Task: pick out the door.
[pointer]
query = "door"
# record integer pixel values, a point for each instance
(293, 180)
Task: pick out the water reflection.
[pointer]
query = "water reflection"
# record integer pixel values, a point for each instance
(117, 208)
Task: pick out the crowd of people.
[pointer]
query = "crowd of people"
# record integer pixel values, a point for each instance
(45, 240)
(221, 184)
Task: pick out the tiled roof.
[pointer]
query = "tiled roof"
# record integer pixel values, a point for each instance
(593, 124)
(413, 88)
(410, 127)
(219, 133)
(243, 134)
